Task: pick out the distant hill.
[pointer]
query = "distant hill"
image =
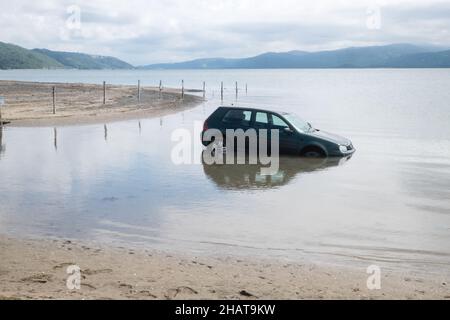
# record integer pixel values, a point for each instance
(15, 57)
(84, 61)
(423, 60)
(390, 56)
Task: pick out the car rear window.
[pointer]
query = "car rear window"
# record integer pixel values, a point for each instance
(238, 117)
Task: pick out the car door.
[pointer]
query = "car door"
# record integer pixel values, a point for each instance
(236, 119)
(289, 140)
(262, 122)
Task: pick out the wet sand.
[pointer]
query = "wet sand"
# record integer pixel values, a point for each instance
(31, 103)
(37, 269)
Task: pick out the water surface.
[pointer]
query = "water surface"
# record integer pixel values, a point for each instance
(388, 204)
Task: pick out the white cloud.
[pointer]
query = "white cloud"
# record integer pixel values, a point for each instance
(143, 31)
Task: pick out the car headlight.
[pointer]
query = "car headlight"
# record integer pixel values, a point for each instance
(343, 149)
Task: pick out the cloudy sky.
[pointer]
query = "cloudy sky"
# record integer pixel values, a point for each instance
(150, 31)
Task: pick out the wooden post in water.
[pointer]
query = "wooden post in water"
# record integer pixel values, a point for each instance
(160, 88)
(55, 138)
(1, 121)
(182, 89)
(221, 91)
(204, 90)
(104, 92)
(246, 89)
(236, 90)
(1, 137)
(139, 90)
(54, 99)
(2, 148)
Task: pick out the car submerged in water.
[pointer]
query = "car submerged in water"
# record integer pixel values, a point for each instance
(296, 136)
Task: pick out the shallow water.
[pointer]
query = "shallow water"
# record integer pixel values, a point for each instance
(388, 204)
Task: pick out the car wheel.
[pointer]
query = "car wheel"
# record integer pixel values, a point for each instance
(313, 152)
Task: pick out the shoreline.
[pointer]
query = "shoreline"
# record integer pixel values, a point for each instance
(37, 269)
(30, 104)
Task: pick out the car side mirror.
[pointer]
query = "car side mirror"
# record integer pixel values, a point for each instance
(288, 130)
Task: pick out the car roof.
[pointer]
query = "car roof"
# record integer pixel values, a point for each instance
(255, 109)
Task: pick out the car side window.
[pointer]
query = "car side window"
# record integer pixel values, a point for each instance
(238, 117)
(262, 119)
(278, 122)
(248, 117)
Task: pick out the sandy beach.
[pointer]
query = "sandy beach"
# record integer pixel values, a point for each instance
(31, 103)
(37, 269)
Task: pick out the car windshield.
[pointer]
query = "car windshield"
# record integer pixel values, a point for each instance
(299, 124)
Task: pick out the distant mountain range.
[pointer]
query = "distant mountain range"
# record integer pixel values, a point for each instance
(15, 57)
(84, 61)
(389, 56)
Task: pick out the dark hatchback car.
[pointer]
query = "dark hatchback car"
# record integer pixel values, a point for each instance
(296, 136)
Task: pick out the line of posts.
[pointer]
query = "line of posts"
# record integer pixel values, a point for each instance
(160, 90)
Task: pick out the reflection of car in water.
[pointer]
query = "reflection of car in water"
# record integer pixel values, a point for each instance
(296, 136)
(235, 176)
